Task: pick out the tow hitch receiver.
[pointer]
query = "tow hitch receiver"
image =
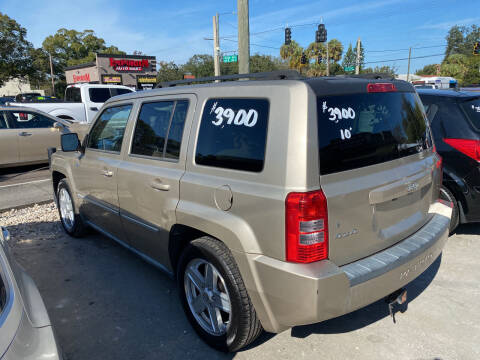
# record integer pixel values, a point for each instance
(398, 297)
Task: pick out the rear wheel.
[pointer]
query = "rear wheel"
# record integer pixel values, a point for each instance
(72, 223)
(446, 194)
(214, 296)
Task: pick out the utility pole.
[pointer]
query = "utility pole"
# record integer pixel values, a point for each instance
(408, 69)
(51, 75)
(216, 45)
(357, 62)
(328, 62)
(243, 37)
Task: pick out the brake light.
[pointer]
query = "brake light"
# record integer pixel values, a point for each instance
(306, 227)
(381, 87)
(439, 162)
(471, 148)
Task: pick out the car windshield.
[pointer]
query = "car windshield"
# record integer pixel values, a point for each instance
(359, 130)
(472, 110)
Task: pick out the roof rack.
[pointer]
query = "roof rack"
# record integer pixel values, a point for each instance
(272, 75)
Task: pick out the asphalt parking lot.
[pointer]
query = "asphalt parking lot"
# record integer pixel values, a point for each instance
(106, 303)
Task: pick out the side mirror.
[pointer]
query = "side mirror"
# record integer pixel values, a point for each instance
(70, 142)
(58, 126)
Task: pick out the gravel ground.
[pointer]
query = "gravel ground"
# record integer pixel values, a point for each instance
(106, 303)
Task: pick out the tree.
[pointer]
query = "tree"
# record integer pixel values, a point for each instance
(71, 47)
(262, 63)
(292, 53)
(430, 69)
(349, 59)
(386, 69)
(335, 50)
(200, 65)
(169, 71)
(15, 50)
(464, 68)
(460, 40)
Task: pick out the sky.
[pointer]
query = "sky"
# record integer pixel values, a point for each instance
(176, 30)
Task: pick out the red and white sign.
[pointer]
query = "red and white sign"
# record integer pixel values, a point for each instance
(128, 65)
(81, 78)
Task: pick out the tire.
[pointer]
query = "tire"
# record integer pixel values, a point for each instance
(446, 194)
(240, 326)
(72, 223)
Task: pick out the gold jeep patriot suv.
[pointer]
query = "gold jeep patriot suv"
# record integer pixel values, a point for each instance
(274, 202)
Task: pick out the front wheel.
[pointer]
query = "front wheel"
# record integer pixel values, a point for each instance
(72, 223)
(214, 296)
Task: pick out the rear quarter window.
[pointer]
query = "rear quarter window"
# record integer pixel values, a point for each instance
(233, 134)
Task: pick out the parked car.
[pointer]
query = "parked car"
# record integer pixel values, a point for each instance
(25, 328)
(275, 203)
(26, 97)
(26, 134)
(5, 99)
(455, 121)
(82, 101)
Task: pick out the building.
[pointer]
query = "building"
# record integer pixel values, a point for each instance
(14, 87)
(136, 71)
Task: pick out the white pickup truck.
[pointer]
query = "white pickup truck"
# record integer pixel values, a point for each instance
(82, 101)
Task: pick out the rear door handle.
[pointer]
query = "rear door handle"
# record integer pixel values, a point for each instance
(107, 173)
(94, 108)
(24, 133)
(157, 185)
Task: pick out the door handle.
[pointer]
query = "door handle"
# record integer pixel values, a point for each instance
(159, 186)
(24, 133)
(94, 108)
(107, 173)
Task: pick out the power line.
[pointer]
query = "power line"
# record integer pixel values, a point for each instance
(413, 57)
(406, 49)
(252, 44)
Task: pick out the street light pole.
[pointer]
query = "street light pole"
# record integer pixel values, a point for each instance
(243, 37)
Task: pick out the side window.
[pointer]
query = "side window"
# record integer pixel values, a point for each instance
(3, 121)
(151, 129)
(175, 132)
(159, 129)
(109, 129)
(72, 94)
(99, 95)
(30, 120)
(233, 134)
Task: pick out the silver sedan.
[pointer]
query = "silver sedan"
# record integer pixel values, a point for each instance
(25, 329)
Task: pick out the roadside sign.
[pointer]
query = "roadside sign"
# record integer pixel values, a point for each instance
(230, 58)
(349, 68)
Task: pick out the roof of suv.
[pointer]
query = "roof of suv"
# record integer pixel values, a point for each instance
(333, 85)
(448, 93)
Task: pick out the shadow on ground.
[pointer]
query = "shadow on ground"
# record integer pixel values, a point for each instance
(107, 303)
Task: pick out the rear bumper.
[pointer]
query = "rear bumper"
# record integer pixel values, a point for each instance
(286, 294)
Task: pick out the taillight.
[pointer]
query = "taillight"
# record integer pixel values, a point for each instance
(306, 227)
(381, 87)
(471, 148)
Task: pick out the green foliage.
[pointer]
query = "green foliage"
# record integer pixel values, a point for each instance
(464, 68)
(350, 58)
(461, 39)
(71, 47)
(386, 69)
(200, 65)
(169, 71)
(430, 69)
(15, 50)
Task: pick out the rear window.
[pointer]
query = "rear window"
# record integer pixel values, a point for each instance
(233, 134)
(72, 94)
(359, 130)
(472, 110)
(99, 95)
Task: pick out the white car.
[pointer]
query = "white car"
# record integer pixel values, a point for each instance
(82, 101)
